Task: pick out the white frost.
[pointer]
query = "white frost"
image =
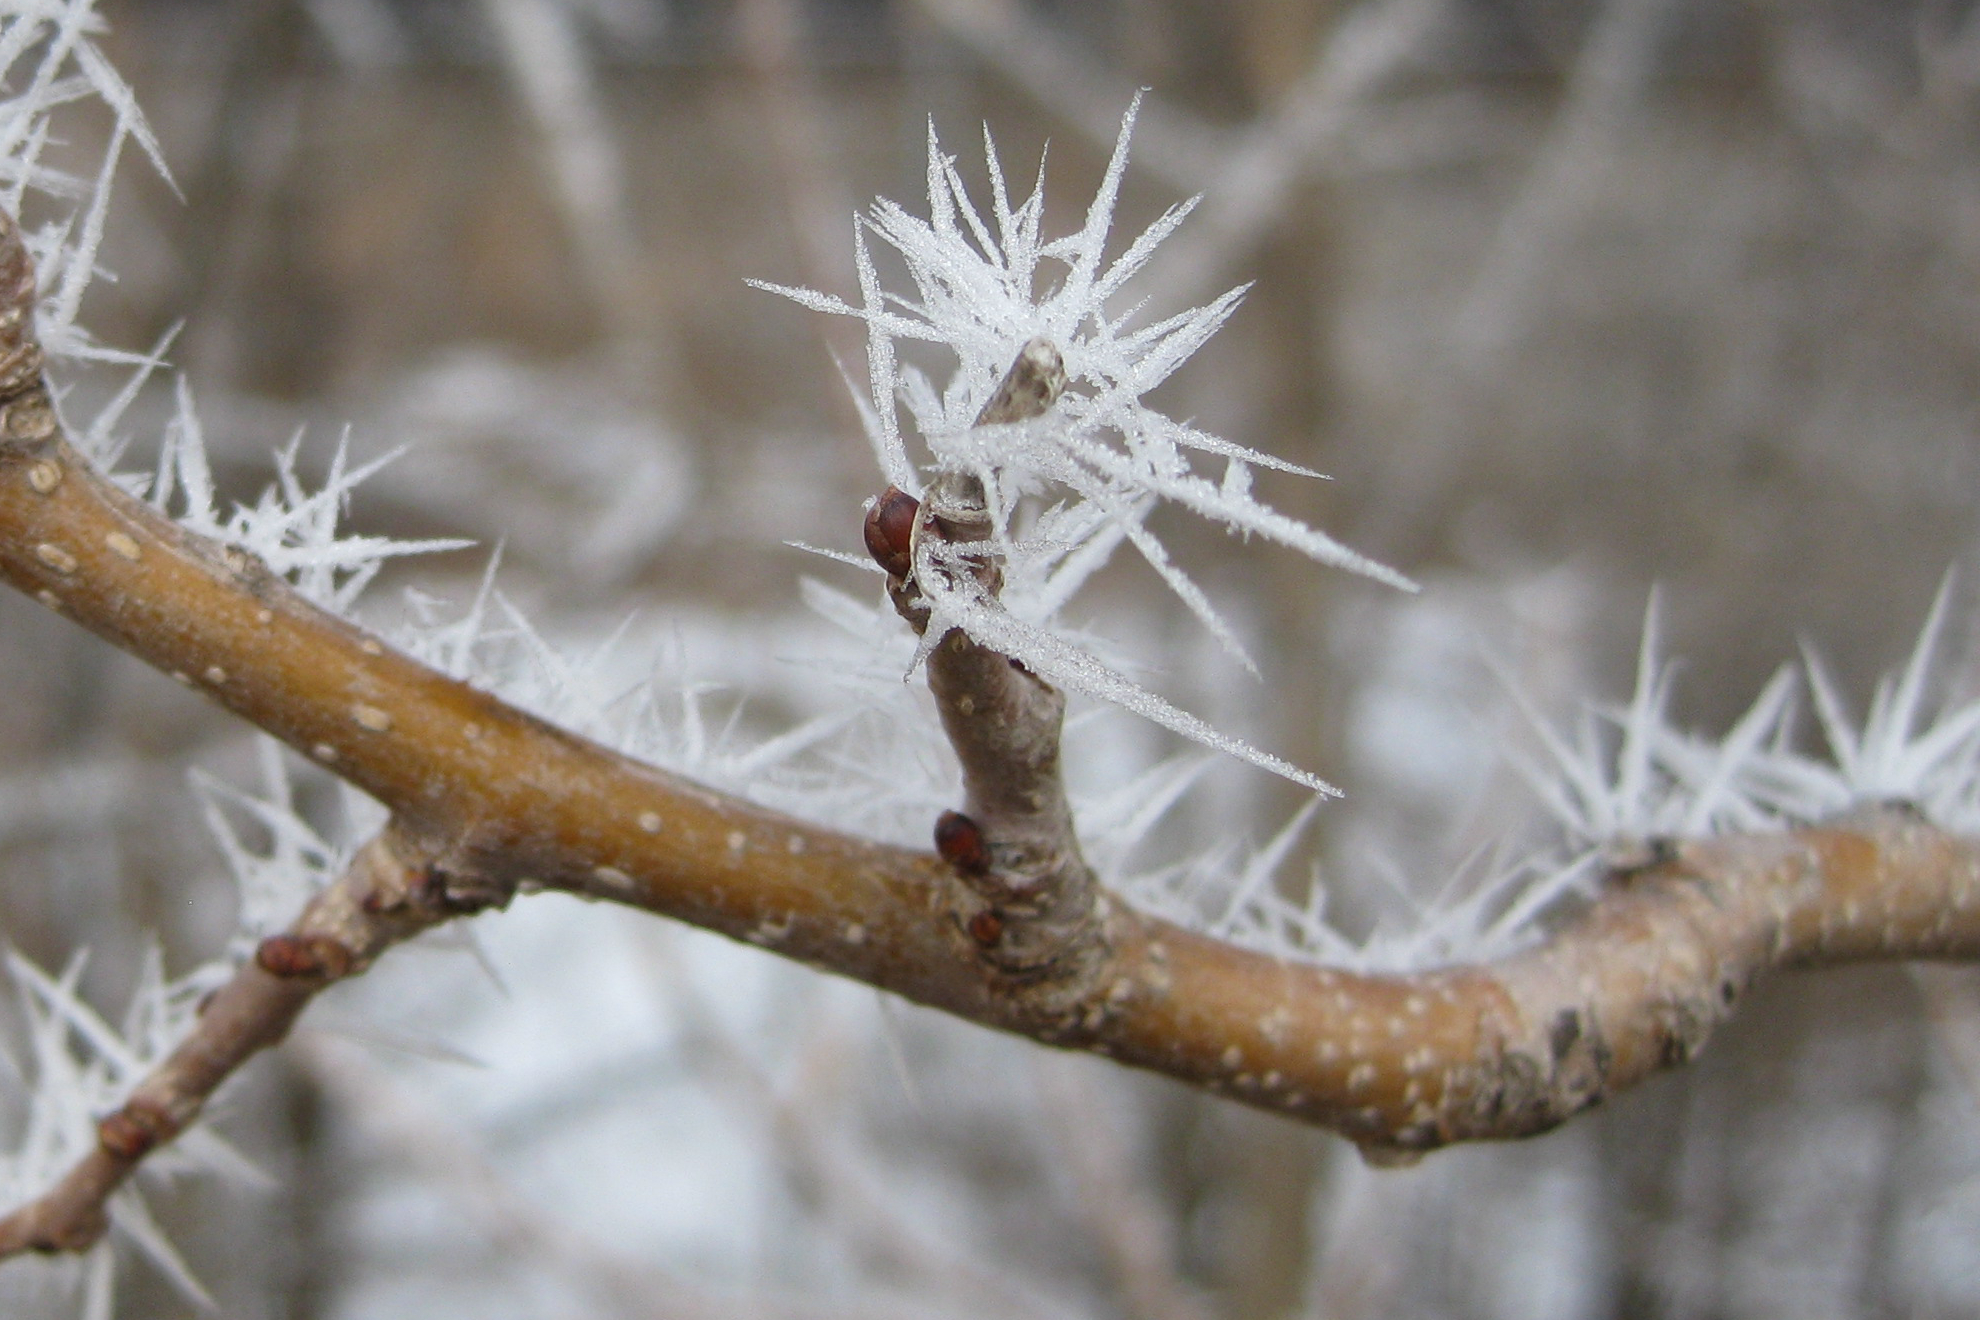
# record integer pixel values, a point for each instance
(1069, 487)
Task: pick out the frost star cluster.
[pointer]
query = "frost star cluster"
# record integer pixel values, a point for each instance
(1065, 489)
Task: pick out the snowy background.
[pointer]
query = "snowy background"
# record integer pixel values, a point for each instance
(1569, 298)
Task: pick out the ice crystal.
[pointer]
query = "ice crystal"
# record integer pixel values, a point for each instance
(1486, 908)
(78, 1067)
(291, 860)
(872, 760)
(49, 59)
(1627, 774)
(1066, 489)
(291, 528)
(1895, 754)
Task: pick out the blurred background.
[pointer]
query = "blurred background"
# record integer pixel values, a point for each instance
(1570, 297)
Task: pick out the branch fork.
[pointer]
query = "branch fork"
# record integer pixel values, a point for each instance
(1030, 908)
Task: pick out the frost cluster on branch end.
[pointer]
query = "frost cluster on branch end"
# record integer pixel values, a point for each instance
(1064, 489)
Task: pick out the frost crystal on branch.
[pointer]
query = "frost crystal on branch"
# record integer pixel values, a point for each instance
(1624, 776)
(47, 60)
(292, 529)
(1890, 757)
(1064, 489)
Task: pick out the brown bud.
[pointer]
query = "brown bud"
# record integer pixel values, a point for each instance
(962, 845)
(132, 1131)
(890, 531)
(72, 1233)
(1033, 384)
(986, 928)
(303, 955)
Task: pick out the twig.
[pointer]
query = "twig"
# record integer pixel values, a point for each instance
(379, 900)
(494, 797)
(1038, 918)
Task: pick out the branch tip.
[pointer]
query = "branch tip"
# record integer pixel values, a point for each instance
(1035, 381)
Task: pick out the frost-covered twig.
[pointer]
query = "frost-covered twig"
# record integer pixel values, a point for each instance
(1038, 913)
(1064, 485)
(383, 898)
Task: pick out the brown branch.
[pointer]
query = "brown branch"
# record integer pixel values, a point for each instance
(492, 797)
(379, 900)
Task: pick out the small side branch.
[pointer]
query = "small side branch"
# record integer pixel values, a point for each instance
(380, 900)
(1027, 900)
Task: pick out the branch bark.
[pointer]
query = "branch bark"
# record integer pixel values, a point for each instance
(494, 800)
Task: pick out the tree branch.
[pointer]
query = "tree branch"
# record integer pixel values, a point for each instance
(380, 900)
(488, 798)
